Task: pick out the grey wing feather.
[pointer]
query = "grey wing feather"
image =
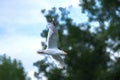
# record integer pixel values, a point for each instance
(52, 37)
(59, 61)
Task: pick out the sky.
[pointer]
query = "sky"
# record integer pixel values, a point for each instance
(21, 23)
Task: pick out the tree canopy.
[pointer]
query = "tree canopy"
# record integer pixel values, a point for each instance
(89, 52)
(11, 69)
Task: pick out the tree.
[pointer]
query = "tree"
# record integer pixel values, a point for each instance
(107, 14)
(11, 69)
(89, 53)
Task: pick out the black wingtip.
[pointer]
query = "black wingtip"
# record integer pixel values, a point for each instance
(53, 21)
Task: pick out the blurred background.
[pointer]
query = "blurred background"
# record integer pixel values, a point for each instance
(89, 31)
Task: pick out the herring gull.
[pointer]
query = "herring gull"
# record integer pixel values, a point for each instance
(52, 49)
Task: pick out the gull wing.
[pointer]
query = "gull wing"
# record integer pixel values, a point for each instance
(52, 37)
(59, 61)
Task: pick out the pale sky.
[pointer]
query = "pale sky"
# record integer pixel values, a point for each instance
(21, 23)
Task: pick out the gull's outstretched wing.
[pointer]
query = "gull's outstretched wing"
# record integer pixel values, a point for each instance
(52, 37)
(58, 61)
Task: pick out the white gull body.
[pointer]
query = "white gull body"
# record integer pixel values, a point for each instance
(52, 49)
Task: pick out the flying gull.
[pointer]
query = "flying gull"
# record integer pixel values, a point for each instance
(52, 50)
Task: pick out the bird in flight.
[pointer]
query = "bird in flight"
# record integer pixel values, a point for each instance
(52, 49)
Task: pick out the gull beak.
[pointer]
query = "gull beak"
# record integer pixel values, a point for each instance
(65, 53)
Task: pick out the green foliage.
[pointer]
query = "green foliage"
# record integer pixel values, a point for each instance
(11, 69)
(88, 55)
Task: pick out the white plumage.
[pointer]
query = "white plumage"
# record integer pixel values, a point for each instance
(52, 49)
